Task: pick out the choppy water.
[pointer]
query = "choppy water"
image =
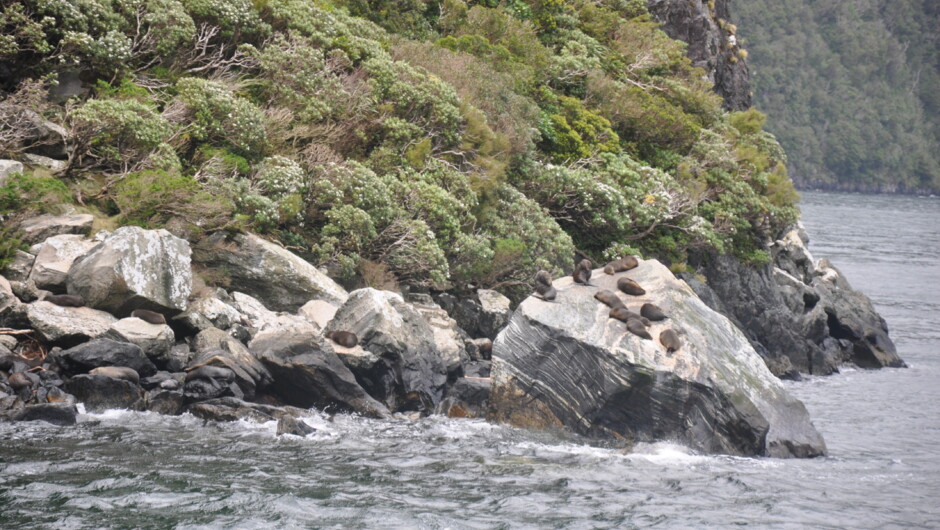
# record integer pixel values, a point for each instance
(124, 469)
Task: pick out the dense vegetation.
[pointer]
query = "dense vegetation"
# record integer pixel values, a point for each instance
(852, 88)
(436, 144)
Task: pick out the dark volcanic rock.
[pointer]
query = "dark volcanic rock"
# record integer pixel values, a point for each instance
(307, 373)
(468, 397)
(710, 48)
(99, 392)
(210, 382)
(104, 352)
(568, 365)
(168, 402)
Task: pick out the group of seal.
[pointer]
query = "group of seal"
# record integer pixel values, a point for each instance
(635, 323)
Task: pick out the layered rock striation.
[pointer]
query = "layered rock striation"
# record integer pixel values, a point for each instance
(567, 364)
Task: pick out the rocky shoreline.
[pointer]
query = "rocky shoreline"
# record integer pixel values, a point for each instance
(259, 349)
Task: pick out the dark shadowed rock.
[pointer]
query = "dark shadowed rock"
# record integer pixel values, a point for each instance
(468, 397)
(405, 370)
(134, 268)
(307, 373)
(568, 365)
(215, 347)
(210, 382)
(56, 414)
(103, 352)
(155, 340)
(168, 402)
(99, 393)
(280, 279)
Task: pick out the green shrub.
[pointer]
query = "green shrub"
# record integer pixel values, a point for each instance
(25, 192)
(153, 198)
(214, 114)
(117, 135)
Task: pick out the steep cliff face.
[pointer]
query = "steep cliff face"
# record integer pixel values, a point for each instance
(712, 44)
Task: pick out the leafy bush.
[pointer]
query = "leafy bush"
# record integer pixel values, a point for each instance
(213, 113)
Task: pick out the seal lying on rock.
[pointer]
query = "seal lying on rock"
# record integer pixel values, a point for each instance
(630, 287)
(623, 264)
(345, 339)
(211, 372)
(670, 339)
(653, 312)
(636, 327)
(65, 300)
(148, 316)
(118, 372)
(582, 273)
(609, 298)
(543, 285)
(625, 315)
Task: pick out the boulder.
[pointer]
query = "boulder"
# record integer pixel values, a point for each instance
(100, 392)
(262, 320)
(318, 312)
(67, 326)
(234, 409)
(18, 269)
(54, 413)
(482, 315)
(290, 425)
(46, 162)
(568, 365)
(155, 340)
(209, 311)
(132, 269)
(468, 397)
(41, 228)
(8, 300)
(307, 373)
(7, 168)
(214, 347)
(447, 336)
(210, 382)
(406, 370)
(264, 270)
(168, 402)
(103, 352)
(799, 315)
(54, 258)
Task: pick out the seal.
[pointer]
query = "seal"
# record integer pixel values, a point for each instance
(544, 287)
(623, 314)
(210, 372)
(625, 263)
(670, 339)
(653, 312)
(19, 380)
(636, 327)
(118, 372)
(582, 273)
(609, 298)
(630, 287)
(345, 339)
(151, 317)
(65, 300)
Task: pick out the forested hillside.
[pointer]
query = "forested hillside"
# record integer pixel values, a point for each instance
(434, 144)
(852, 89)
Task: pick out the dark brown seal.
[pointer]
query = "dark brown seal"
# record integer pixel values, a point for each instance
(670, 339)
(608, 298)
(118, 372)
(210, 372)
(345, 339)
(148, 316)
(543, 285)
(65, 300)
(623, 314)
(653, 312)
(630, 287)
(19, 380)
(582, 273)
(636, 327)
(623, 264)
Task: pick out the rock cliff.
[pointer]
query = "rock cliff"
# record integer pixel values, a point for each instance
(712, 44)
